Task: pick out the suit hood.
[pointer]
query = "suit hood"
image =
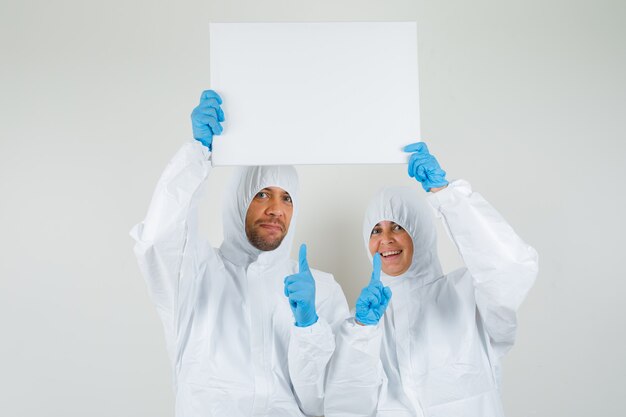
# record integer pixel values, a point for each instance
(245, 184)
(405, 207)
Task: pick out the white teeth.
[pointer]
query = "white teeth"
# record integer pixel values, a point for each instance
(391, 252)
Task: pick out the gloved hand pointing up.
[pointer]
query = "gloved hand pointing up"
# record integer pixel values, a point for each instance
(300, 288)
(373, 301)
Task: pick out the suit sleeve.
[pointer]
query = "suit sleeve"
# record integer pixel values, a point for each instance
(503, 267)
(168, 249)
(356, 374)
(310, 350)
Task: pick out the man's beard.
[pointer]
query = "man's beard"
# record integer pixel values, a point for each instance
(261, 243)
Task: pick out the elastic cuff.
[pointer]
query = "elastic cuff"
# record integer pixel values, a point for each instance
(320, 326)
(366, 339)
(446, 195)
(362, 329)
(206, 152)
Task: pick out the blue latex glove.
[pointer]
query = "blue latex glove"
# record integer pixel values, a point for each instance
(206, 118)
(300, 288)
(424, 167)
(374, 299)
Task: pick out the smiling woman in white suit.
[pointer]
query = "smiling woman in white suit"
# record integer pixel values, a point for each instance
(423, 343)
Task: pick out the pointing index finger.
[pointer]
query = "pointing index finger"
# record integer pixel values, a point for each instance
(376, 266)
(304, 265)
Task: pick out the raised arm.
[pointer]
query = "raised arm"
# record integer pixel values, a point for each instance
(310, 352)
(167, 246)
(502, 266)
(312, 340)
(356, 374)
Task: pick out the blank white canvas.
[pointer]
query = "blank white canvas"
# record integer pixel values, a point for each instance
(315, 93)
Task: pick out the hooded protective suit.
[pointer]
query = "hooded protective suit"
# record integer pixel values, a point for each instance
(230, 333)
(436, 352)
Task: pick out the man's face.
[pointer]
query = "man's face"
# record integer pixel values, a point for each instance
(394, 245)
(268, 218)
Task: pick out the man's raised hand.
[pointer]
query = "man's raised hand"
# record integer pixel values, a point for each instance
(207, 117)
(300, 289)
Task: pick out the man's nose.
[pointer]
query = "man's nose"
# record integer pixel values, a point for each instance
(274, 209)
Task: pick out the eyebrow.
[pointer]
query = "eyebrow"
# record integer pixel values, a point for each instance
(269, 190)
(392, 223)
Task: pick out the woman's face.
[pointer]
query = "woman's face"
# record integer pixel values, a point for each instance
(394, 245)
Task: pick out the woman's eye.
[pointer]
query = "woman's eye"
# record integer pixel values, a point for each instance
(375, 231)
(288, 199)
(261, 194)
(397, 227)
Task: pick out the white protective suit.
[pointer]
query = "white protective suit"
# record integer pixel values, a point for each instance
(229, 330)
(436, 351)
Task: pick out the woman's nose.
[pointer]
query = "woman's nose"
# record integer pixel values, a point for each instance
(387, 238)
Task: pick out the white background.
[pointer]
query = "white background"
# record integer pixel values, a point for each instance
(526, 100)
